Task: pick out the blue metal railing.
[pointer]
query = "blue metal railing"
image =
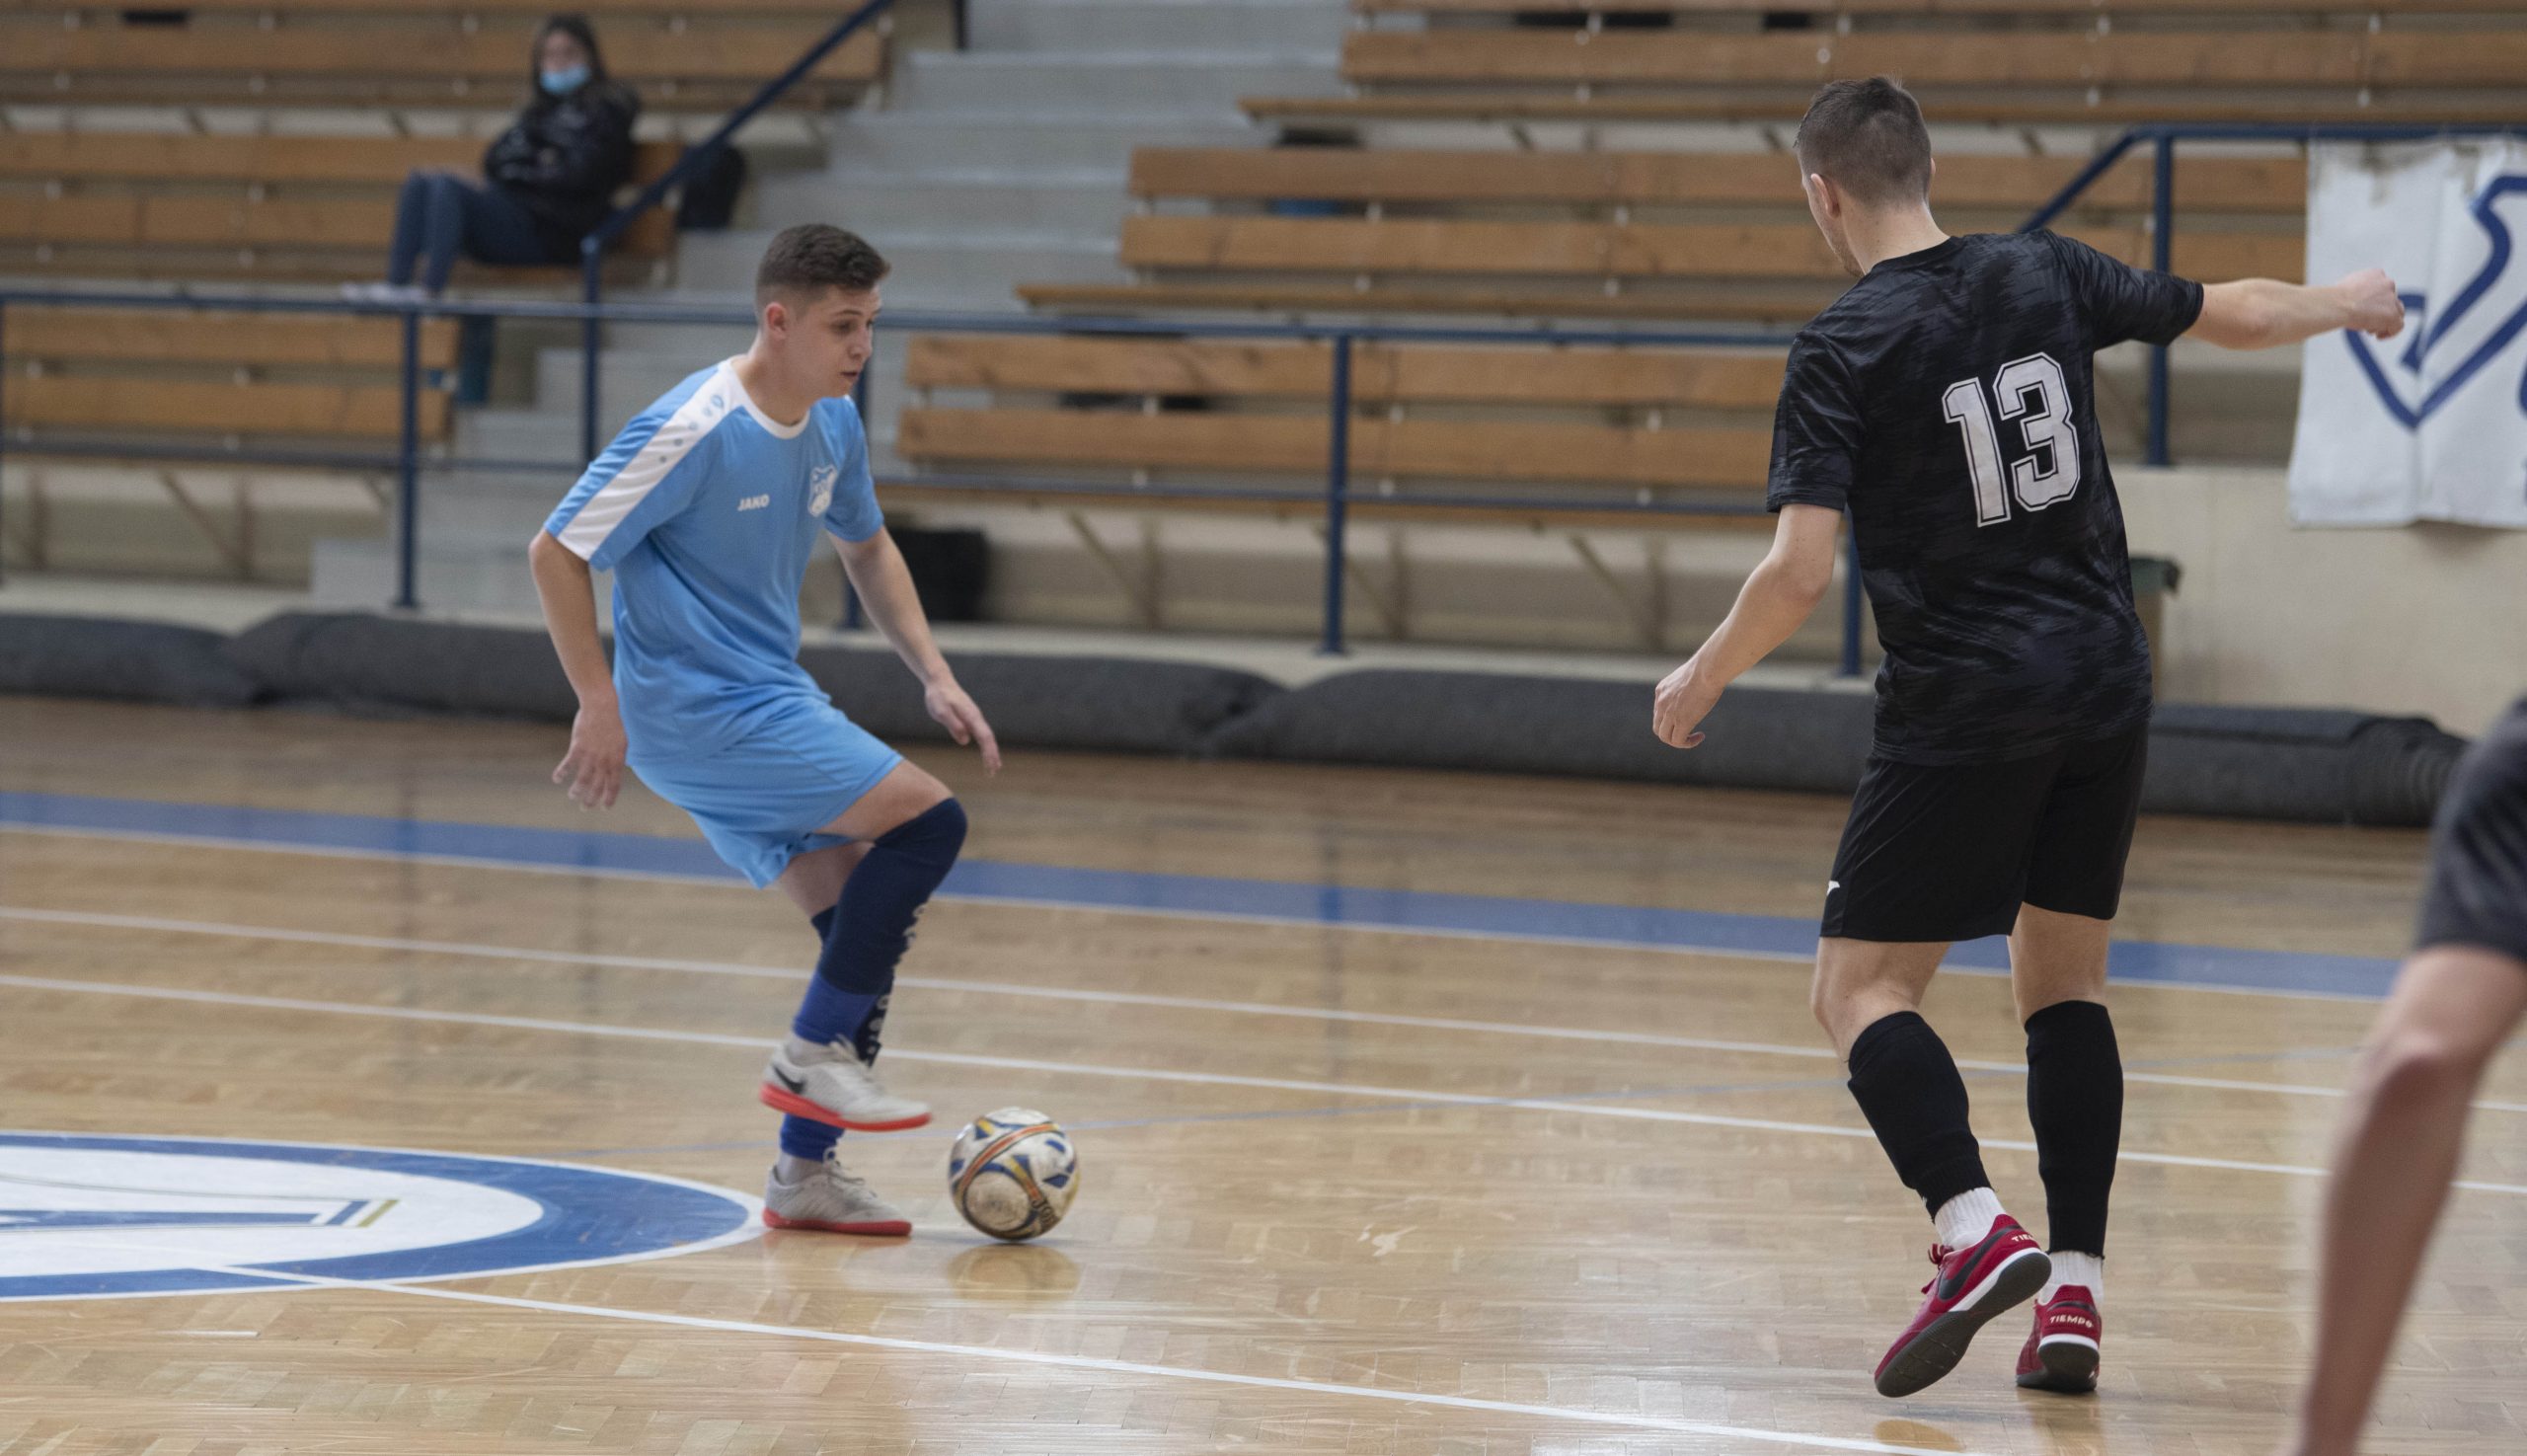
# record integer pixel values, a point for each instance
(408, 460)
(2163, 138)
(592, 247)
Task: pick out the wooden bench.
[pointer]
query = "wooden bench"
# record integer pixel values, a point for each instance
(165, 373)
(1415, 255)
(697, 60)
(103, 405)
(2019, 58)
(1641, 452)
(1386, 177)
(1593, 426)
(2079, 8)
(278, 207)
(1970, 60)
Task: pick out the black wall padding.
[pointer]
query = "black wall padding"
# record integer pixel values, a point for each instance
(2319, 765)
(2313, 765)
(2278, 763)
(139, 661)
(1759, 738)
(375, 664)
(1116, 705)
(367, 663)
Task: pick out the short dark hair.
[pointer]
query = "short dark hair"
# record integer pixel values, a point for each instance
(812, 257)
(1867, 138)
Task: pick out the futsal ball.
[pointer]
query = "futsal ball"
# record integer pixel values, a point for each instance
(1013, 1172)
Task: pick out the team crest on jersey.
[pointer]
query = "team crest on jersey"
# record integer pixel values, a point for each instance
(84, 1216)
(2486, 330)
(820, 488)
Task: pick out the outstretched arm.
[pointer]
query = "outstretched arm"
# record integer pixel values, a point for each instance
(1777, 597)
(2261, 313)
(877, 571)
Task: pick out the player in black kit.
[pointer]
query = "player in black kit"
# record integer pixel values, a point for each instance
(2461, 993)
(1945, 404)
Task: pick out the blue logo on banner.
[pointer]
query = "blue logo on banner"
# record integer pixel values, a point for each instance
(2425, 330)
(86, 1217)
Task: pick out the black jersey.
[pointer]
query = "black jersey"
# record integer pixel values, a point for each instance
(1947, 404)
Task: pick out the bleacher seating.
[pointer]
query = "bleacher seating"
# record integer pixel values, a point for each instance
(1988, 60)
(1628, 235)
(698, 57)
(160, 206)
(1473, 425)
(312, 379)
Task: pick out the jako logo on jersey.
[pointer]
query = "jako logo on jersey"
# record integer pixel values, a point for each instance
(820, 488)
(2495, 283)
(86, 1217)
(755, 502)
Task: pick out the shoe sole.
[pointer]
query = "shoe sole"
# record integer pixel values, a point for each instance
(2070, 1369)
(781, 1101)
(883, 1228)
(1928, 1356)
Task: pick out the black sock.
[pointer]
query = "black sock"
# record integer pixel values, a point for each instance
(2075, 1100)
(1907, 1086)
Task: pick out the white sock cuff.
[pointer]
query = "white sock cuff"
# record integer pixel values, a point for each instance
(1964, 1220)
(2088, 1271)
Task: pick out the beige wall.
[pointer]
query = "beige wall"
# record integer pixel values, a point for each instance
(2428, 619)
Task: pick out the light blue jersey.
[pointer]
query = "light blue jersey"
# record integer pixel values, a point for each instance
(708, 510)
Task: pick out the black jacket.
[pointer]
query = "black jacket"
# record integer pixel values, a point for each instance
(564, 157)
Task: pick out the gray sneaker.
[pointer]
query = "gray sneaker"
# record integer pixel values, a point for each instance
(833, 1200)
(832, 1085)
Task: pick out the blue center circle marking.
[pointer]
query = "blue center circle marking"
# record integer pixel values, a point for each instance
(88, 1216)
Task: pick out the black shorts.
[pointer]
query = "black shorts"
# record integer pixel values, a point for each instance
(1950, 852)
(2478, 893)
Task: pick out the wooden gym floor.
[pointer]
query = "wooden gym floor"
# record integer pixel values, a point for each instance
(1349, 1184)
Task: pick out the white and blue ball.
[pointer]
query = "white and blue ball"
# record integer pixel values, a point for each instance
(1013, 1172)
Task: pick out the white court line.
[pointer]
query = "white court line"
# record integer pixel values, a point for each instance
(1673, 1426)
(1203, 917)
(1117, 998)
(1078, 1069)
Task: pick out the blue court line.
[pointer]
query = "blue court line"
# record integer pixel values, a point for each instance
(1354, 907)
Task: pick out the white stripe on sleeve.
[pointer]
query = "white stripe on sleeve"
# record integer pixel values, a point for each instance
(652, 463)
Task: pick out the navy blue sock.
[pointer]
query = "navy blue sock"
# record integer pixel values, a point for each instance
(805, 1138)
(867, 931)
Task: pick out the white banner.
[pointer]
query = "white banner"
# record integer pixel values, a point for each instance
(2432, 423)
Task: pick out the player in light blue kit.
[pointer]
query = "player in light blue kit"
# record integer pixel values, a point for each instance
(707, 508)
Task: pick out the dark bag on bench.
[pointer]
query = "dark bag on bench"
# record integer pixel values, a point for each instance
(711, 195)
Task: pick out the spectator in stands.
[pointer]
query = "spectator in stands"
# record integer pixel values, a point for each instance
(548, 179)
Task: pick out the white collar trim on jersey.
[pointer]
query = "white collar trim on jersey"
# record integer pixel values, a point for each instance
(778, 430)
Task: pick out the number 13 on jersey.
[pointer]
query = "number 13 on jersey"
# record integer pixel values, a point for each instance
(2032, 393)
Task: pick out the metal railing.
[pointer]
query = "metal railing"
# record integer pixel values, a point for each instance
(2163, 138)
(695, 158)
(407, 461)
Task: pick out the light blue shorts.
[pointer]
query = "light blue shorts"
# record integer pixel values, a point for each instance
(761, 799)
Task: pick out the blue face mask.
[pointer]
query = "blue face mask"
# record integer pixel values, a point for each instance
(563, 83)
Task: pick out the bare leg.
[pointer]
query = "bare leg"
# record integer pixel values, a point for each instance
(1858, 982)
(2451, 1009)
(2056, 958)
(814, 881)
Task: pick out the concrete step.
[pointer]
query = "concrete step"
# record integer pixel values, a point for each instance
(1078, 199)
(472, 573)
(1018, 140)
(1133, 25)
(1092, 83)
